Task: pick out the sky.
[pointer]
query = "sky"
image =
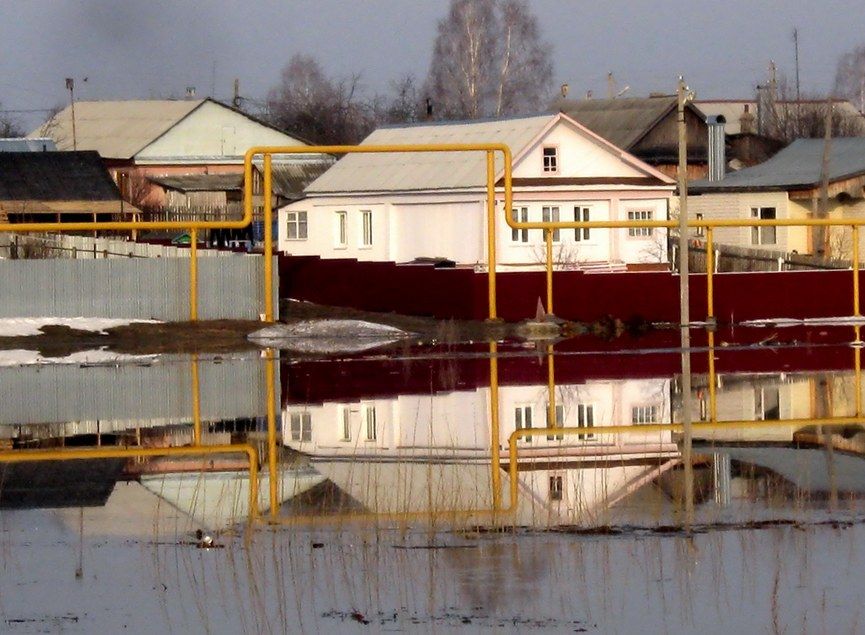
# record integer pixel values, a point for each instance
(124, 49)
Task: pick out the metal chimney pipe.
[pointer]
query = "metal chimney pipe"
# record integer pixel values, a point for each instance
(717, 147)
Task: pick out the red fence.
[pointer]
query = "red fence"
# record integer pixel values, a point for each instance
(462, 294)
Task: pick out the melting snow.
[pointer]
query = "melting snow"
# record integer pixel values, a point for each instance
(21, 327)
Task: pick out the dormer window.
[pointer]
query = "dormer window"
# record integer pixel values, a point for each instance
(551, 159)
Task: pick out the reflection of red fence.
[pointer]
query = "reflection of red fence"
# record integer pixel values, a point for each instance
(462, 294)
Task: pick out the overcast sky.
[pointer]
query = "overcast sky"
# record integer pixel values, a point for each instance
(156, 48)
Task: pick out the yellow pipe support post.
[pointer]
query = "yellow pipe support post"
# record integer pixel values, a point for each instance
(710, 275)
(491, 234)
(193, 275)
(196, 402)
(857, 362)
(272, 447)
(551, 388)
(495, 440)
(548, 236)
(268, 237)
(713, 404)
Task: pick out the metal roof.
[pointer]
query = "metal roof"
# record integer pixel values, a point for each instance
(55, 176)
(38, 144)
(429, 170)
(115, 129)
(797, 165)
(290, 179)
(622, 121)
(200, 182)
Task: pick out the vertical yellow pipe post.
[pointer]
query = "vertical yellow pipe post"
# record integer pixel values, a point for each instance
(713, 403)
(193, 275)
(495, 434)
(710, 275)
(856, 270)
(548, 236)
(857, 361)
(196, 402)
(267, 194)
(491, 233)
(271, 434)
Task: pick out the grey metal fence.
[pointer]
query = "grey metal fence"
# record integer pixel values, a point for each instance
(153, 288)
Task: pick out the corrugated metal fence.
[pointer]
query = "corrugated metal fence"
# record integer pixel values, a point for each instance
(127, 396)
(152, 288)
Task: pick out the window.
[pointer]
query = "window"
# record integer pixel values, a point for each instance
(345, 423)
(366, 237)
(523, 419)
(763, 235)
(644, 414)
(370, 423)
(640, 214)
(767, 404)
(551, 159)
(585, 419)
(581, 214)
(521, 215)
(556, 488)
(341, 229)
(301, 426)
(558, 423)
(551, 215)
(700, 231)
(296, 229)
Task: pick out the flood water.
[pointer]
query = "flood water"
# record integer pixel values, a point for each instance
(512, 486)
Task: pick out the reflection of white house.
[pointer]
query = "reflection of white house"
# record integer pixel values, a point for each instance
(433, 452)
(401, 207)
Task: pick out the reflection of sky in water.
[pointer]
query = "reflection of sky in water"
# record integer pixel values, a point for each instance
(386, 487)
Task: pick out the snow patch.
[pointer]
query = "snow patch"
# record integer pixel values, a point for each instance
(328, 336)
(26, 326)
(94, 357)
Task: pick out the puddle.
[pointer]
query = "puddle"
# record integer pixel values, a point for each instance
(422, 489)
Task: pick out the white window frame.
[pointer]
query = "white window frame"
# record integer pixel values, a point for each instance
(644, 413)
(370, 423)
(521, 215)
(760, 401)
(582, 213)
(558, 423)
(641, 215)
(551, 214)
(366, 235)
(764, 235)
(344, 424)
(300, 426)
(586, 419)
(341, 234)
(550, 162)
(297, 224)
(557, 487)
(524, 418)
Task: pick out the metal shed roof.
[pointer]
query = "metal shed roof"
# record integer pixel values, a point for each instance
(55, 176)
(797, 165)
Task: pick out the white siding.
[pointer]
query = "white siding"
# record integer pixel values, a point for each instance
(738, 206)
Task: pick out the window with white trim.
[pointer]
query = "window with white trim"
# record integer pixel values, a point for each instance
(699, 232)
(366, 228)
(558, 423)
(767, 403)
(763, 235)
(296, 227)
(370, 423)
(523, 419)
(581, 214)
(640, 214)
(585, 419)
(550, 214)
(557, 487)
(521, 215)
(341, 234)
(345, 423)
(301, 426)
(551, 159)
(644, 414)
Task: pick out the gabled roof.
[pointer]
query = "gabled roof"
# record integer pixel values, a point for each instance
(622, 121)
(200, 182)
(290, 179)
(796, 166)
(55, 176)
(447, 170)
(122, 129)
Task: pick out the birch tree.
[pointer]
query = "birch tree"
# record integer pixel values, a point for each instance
(488, 60)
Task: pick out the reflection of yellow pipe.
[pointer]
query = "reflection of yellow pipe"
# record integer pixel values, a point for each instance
(856, 270)
(272, 448)
(495, 434)
(551, 388)
(713, 403)
(196, 403)
(857, 362)
(25, 456)
(548, 236)
(268, 238)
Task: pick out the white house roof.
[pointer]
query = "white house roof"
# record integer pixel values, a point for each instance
(115, 129)
(391, 172)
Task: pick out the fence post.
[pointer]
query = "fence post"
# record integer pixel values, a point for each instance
(74, 252)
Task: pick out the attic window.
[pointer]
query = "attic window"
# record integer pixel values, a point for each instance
(551, 159)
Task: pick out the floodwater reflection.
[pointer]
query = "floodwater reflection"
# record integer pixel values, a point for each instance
(477, 486)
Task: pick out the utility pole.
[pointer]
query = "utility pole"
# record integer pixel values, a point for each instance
(798, 93)
(611, 86)
(235, 101)
(684, 95)
(70, 86)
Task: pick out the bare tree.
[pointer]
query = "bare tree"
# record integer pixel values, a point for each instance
(314, 107)
(850, 77)
(8, 126)
(488, 60)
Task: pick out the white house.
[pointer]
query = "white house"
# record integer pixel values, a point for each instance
(401, 207)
